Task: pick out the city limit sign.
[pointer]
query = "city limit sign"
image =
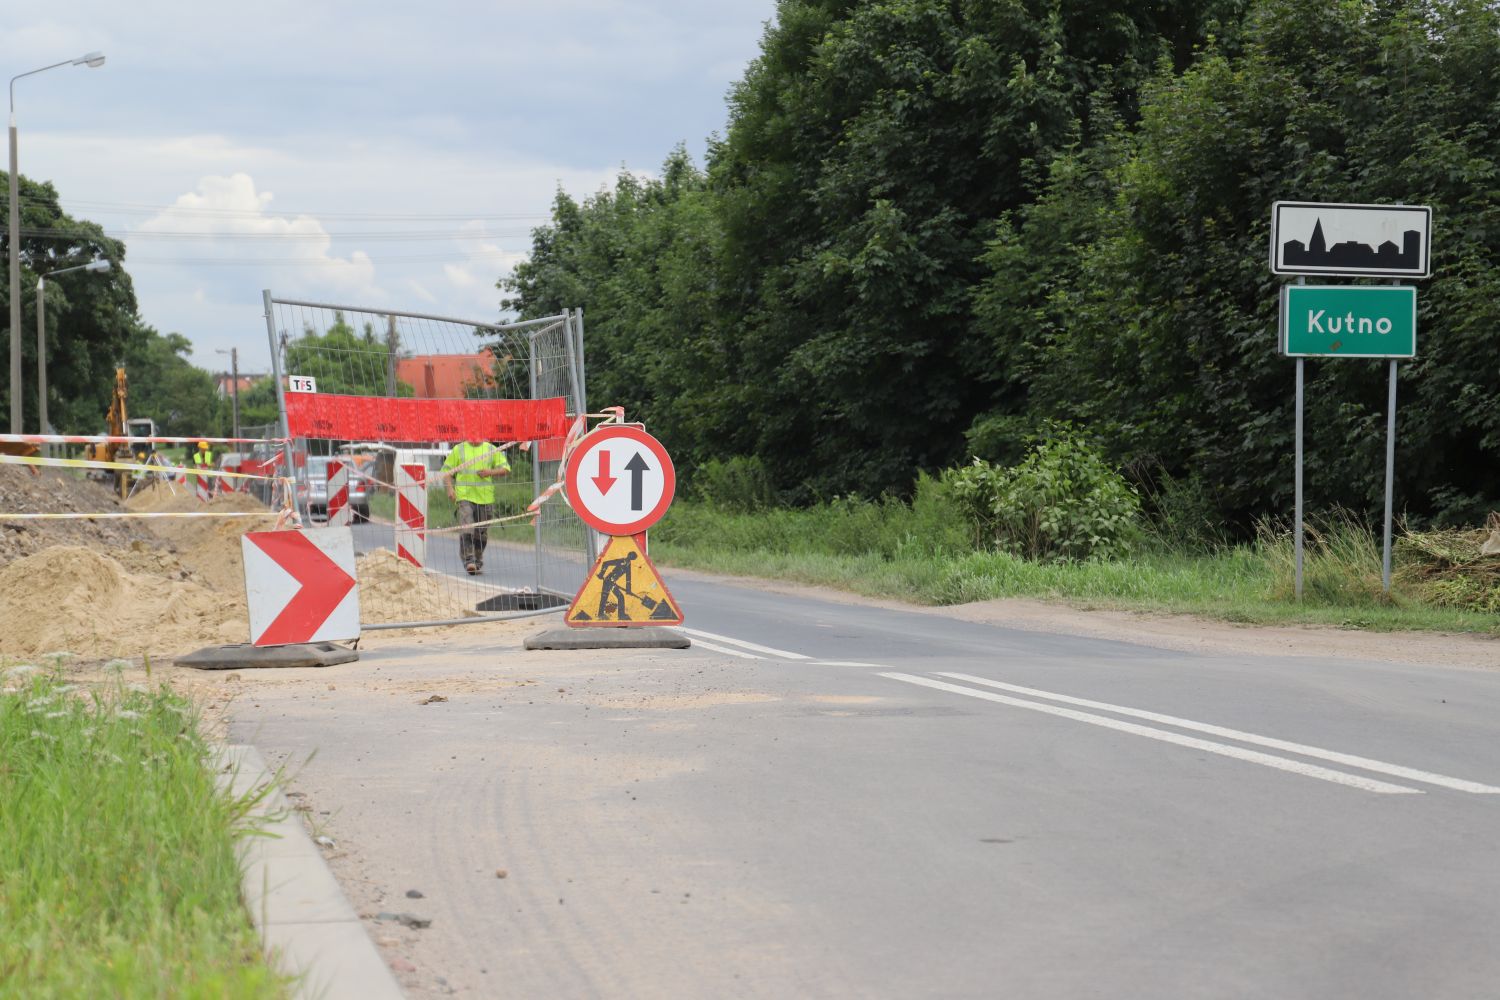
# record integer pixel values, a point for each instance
(1349, 321)
(1375, 241)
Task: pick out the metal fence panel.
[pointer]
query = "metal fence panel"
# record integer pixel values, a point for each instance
(530, 561)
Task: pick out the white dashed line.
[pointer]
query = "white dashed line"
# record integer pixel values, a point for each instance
(725, 649)
(780, 654)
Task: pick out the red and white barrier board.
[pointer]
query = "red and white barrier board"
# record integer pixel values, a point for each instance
(411, 513)
(339, 511)
(203, 487)
(300, 586)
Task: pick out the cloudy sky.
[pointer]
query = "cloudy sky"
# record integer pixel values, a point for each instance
(381, 153)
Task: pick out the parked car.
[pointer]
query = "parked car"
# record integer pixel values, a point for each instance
(317, 489)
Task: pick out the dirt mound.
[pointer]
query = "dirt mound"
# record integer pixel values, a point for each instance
(393, 590)
(208, 545)
(56, 492)
(74, 599)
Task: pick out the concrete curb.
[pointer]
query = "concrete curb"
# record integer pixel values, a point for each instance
(306, 925)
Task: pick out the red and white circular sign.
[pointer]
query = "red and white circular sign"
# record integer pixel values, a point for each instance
(620, 480)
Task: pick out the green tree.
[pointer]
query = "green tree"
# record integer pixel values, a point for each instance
(1161, 334)
(182, 398)
(641, 260)
(90, 316)
(870, 148)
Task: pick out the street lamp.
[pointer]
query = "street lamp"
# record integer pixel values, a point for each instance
(93, 60)
(234, 383)
(41, 333)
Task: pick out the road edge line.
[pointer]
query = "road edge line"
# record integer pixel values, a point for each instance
(306, 925)
(1225, 732)
(1306, 770)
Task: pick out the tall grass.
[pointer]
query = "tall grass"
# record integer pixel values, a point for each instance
(118, 876)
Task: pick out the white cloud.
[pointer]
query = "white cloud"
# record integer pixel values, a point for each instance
(456, 110)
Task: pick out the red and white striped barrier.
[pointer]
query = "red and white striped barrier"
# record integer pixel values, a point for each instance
(339, 511)
(203, 488)
(411, 513)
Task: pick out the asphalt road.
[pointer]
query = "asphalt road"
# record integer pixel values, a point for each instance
(833, 800)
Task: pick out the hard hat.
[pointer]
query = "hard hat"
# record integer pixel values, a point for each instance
(203, 445)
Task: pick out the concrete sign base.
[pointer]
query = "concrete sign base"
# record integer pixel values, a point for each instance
(608, 638)
(243, 656)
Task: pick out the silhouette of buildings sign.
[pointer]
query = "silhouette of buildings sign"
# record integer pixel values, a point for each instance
(1378, 241)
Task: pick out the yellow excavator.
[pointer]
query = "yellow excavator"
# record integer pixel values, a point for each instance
(118, 424)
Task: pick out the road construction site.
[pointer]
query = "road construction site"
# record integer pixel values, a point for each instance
(829, 796)
(150, 586)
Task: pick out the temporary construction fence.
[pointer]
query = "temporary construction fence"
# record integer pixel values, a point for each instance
(373, 401)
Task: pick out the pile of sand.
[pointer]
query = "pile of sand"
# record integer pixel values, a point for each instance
(393, 590)
(208, 545)
(74, 599)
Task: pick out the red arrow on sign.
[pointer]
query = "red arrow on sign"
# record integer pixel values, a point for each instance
(604, 480)
(324, 586)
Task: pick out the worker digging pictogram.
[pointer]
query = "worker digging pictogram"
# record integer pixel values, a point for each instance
(624, 588)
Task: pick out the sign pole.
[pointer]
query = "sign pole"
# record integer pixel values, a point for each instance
(1390, 476)
(1298, 537)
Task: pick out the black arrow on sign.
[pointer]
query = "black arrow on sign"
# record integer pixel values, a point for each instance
(636, 467)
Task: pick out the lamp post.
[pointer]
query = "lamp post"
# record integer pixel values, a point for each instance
(93, 60)
(234, 384)
(41, 334)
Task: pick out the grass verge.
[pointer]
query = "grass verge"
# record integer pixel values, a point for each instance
(118, 875)
(923, 553)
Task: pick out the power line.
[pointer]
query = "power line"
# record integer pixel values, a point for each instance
(132, 235)
(141, 208)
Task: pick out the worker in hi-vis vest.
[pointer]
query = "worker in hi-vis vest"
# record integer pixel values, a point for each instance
(203, 458)
(470, 471)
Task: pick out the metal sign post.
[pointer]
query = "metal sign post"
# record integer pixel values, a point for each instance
(1390, 478)
(1359, 321)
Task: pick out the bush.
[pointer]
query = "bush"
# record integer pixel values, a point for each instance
(740, 483)
(1181, 514)
(1063, 502)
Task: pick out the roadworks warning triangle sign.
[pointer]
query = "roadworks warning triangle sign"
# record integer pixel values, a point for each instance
(623, 588)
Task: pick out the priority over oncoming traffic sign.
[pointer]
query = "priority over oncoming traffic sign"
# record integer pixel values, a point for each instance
(620, 480)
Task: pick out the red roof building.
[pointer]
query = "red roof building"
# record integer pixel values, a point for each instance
(226, 383)
(447, 376)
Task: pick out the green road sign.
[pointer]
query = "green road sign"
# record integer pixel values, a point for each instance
(1349, 321)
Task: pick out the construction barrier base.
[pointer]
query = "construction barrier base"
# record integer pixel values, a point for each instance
(609, 638)
(243, 656)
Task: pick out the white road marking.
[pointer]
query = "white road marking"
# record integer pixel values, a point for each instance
(779, 653)
(1349, 760)
(1222, 749)
(843, 663)
(725, 649)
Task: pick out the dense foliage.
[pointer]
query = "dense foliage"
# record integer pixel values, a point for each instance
(932, 227)
(90, 315)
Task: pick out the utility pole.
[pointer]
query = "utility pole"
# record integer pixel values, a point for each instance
(234, 386)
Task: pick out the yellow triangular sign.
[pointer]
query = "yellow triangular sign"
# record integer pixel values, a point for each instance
(623, 588)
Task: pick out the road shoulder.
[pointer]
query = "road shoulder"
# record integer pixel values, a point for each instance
(1179, 633)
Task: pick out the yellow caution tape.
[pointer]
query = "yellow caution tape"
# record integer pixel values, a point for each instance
(138, 513)
(155, 470)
